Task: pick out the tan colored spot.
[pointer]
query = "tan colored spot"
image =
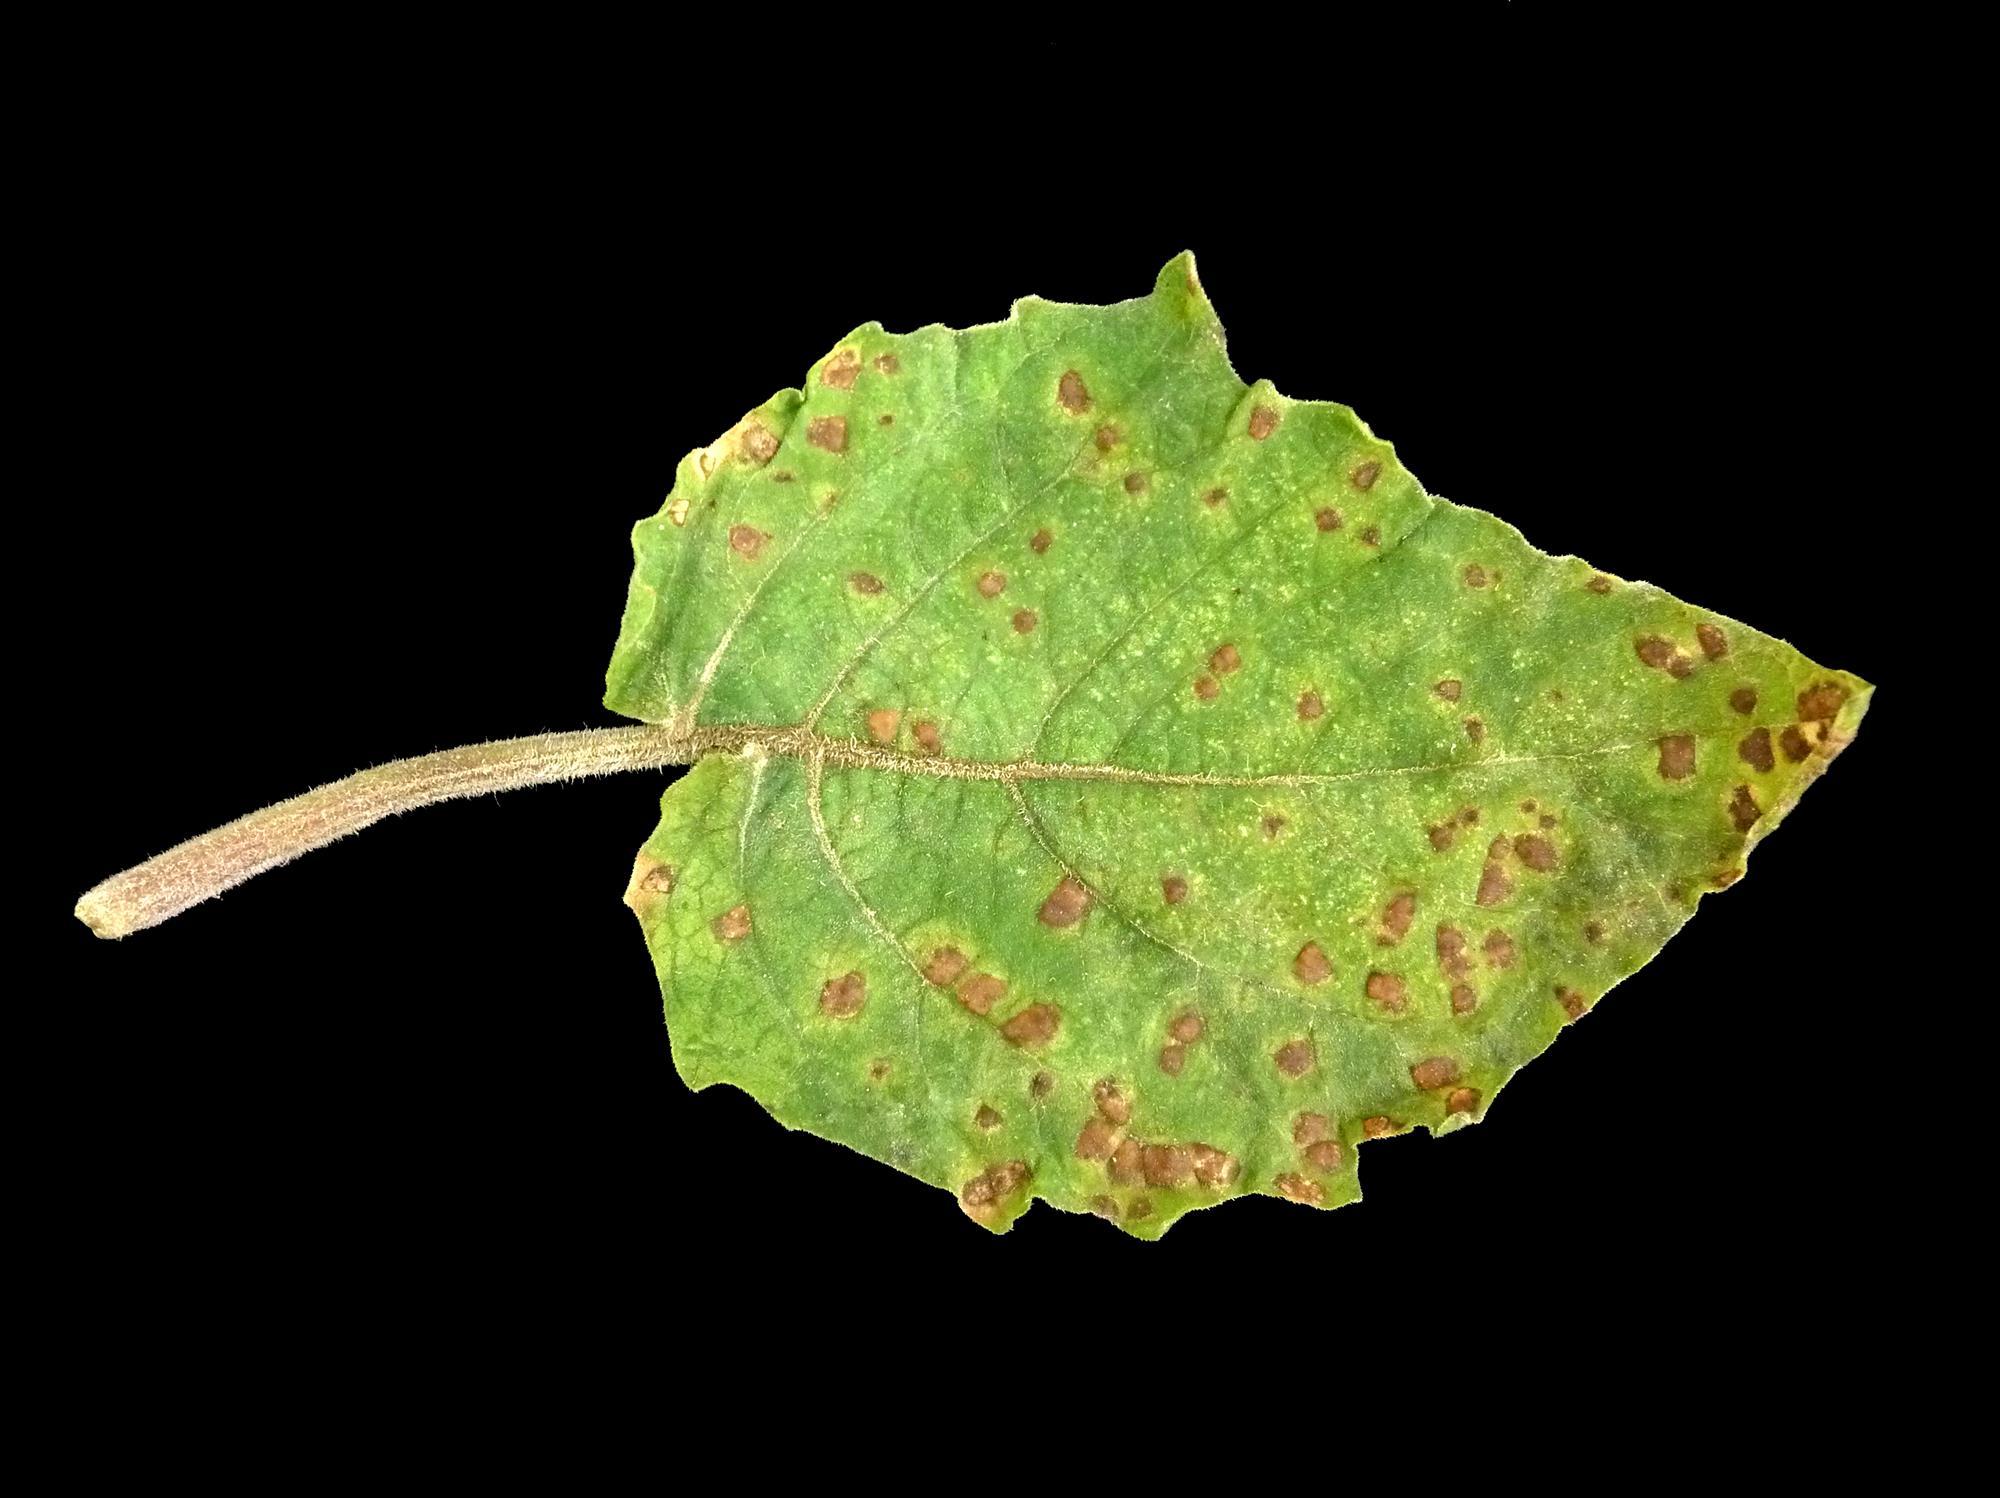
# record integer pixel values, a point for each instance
(1310, 706)
(1744, 699)
(1310, 1128)
(1311, 965)
(1072, 394)
(1464, 998)
(678, 511)
(1212, 1167)
(1327, 518)
(1263, 422)
(1112, 1102)
(1125, 1161)
(1273, 825)
(1452, 961)
(1754, 750)
(1499, 949)
(1677, 756)
(889, 364)
(1389, 992)
(1294, 1058)
(1396, 918)
(1041, 1085)
(992, 584)
(1096, 1140)
(1372, 536)
(1225, 660)
(1495, 883)
(1599, 584)
(1364, 476)
(1378, 1127)
(1297, 1188)
(1166, 1165)
(981, 992)
(1662, 655)
(828, 433)
(1035, 1025)
(1025, 621)
(732, 925)
(1462, 1100)
(1135, 482)
(658, 880)
(1474, 575)
(981, 1196)
(1066, 903)
(1434, 1071)
(864, 582)
(759, 444)
(1173, 1056)
(840, 370)
(1107, 438)
(746, 541)
(1450, 689)
(1475, 729)
(1743, 809)
(1572, 1002)
(1187, 1027)
(1173, 889)
(1820, 702)
(1040, 540)
(1216, 498)
(1205, 688)
(883, 723)
(842, 997)
(1324, 1157)
(986, 1119)
(1714, 643)
(1536, 851)
(1794, 744)
(926, 734)
(942, 967)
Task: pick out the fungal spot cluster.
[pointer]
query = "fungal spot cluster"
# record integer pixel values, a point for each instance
(1318, 1144)
(1131, 1162)
(1184, 1030)
(984, 1196)
(979, 992)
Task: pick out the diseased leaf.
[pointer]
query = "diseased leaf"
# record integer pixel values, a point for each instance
(1147, 792)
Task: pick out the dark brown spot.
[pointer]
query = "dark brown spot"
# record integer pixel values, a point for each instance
(1434, 1071)
(925, 732)
(1125, 1161)
(942, 967)
(759, 444)
(1263, 422)
(1464, 998)
(1112, 1102)
(1297, 1188)
(882, 724)
(1450, 689)
(1225, 660)
(1173, 889)
(746, 541)
(1166, 1165)
(1499, 949)
(1173, 1056)
(1294, 1058)
(1744, 699)
(1135, 482)
(1536, 851)
(1495, 883)
(1106, 438)
(1819, 703)
(1041, 1084)
(842, 997)
(1025, 621)
(1066, 903)
(1310, 706)
(879, 1069)
(1035, 1025)
(732, 925)
(1571, 1001)
(1071, 393)
(1743, 809)
(1311, 965)
(1714, 643)
(992, 584)
(981, 992)
(864, 582)
(1441, 836)
(1662, 655)
(1096, 1140)
(1372, 536)
(1755, 750)
(840, 370)
(1593, 932)
(1794, 744)
(1364, 476)
(1039, 541)
(1452, 961)
(1212, 1167)
(1216, 498)
(1187, 1027)
(1390, 993)
(1475, 729)
(1327, 518)
(828, 433)
(1549, 819)
(1380, 1126)
(1309, 1128)
(1205, 688)
(889, 364)
(1462, 1100)
(1474, 575)
(885, 420)
(1396, 918)
(986, 1119)
(1273, 825)
(1324, 1157)
(1599, 584)
(1677, 756)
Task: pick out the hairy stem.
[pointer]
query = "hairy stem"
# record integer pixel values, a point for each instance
(203, 867)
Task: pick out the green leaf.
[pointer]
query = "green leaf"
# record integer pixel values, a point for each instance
(1146, 791)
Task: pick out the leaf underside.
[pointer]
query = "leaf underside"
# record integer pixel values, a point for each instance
(1162, 793)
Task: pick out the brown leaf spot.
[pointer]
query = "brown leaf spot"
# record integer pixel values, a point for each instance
(1125, 1161)
(1039, 542)
(1225, 660)
(759, 444)
(981, 992)
(782, 476)
(1105, 1207)
(1662, 655)
(1273, 825)
(1755, 750)
(1310, 706)
(942, 967)
(1464, 998)
(1474, 575)
(1140, 1207)
(746, 541)
(1112, 1102)
(1434, 1071)
(1041, 1084)
(1135, 482)
(1263, 422)
(1066, 903)
(1441, 836)
(1450, 689)
(1499, 949)
(1714, 643)
(1173, 1056)
(1572, 1002)
(1035, 1025)
(1096, 1140)
(1794, 744)
(1549, 819)
(1593, 932)
(1396, 918)
(658, 880)
(1025, 621)
(842, 997)
(1072, 394)
(1452, 961)
(1380, 1126)
(987, 1119)
(883, 723)
(1744, 699)
(1297, 1188)
(828, 433)
(1819, 703)
(1212, 1167)
(1106, 438)
(1324, 1157)
(1166, 1165)
(1536, 851)
(889, 364)
(1187, 1027)
(1462, 1100)
(1173, 889)
(1495, 883)
(1310, 1128)
(1205, 688)
(879, 1069)
(1311, 965)
(1677, 756)
(1599, 584)
(1294, 1058)
(885, 420)
(864, 582)
(1364, 476)
(1372, 536)
(926, 734)
(1390, 993)
(1475, 729)
(678, 511)
(981, 1196)
(1743, 809)
(1327, 518)
(840, 370)
(992, 584)
(1216, 498)
(731, 925)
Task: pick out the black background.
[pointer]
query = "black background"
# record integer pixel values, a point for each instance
(374, 372)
